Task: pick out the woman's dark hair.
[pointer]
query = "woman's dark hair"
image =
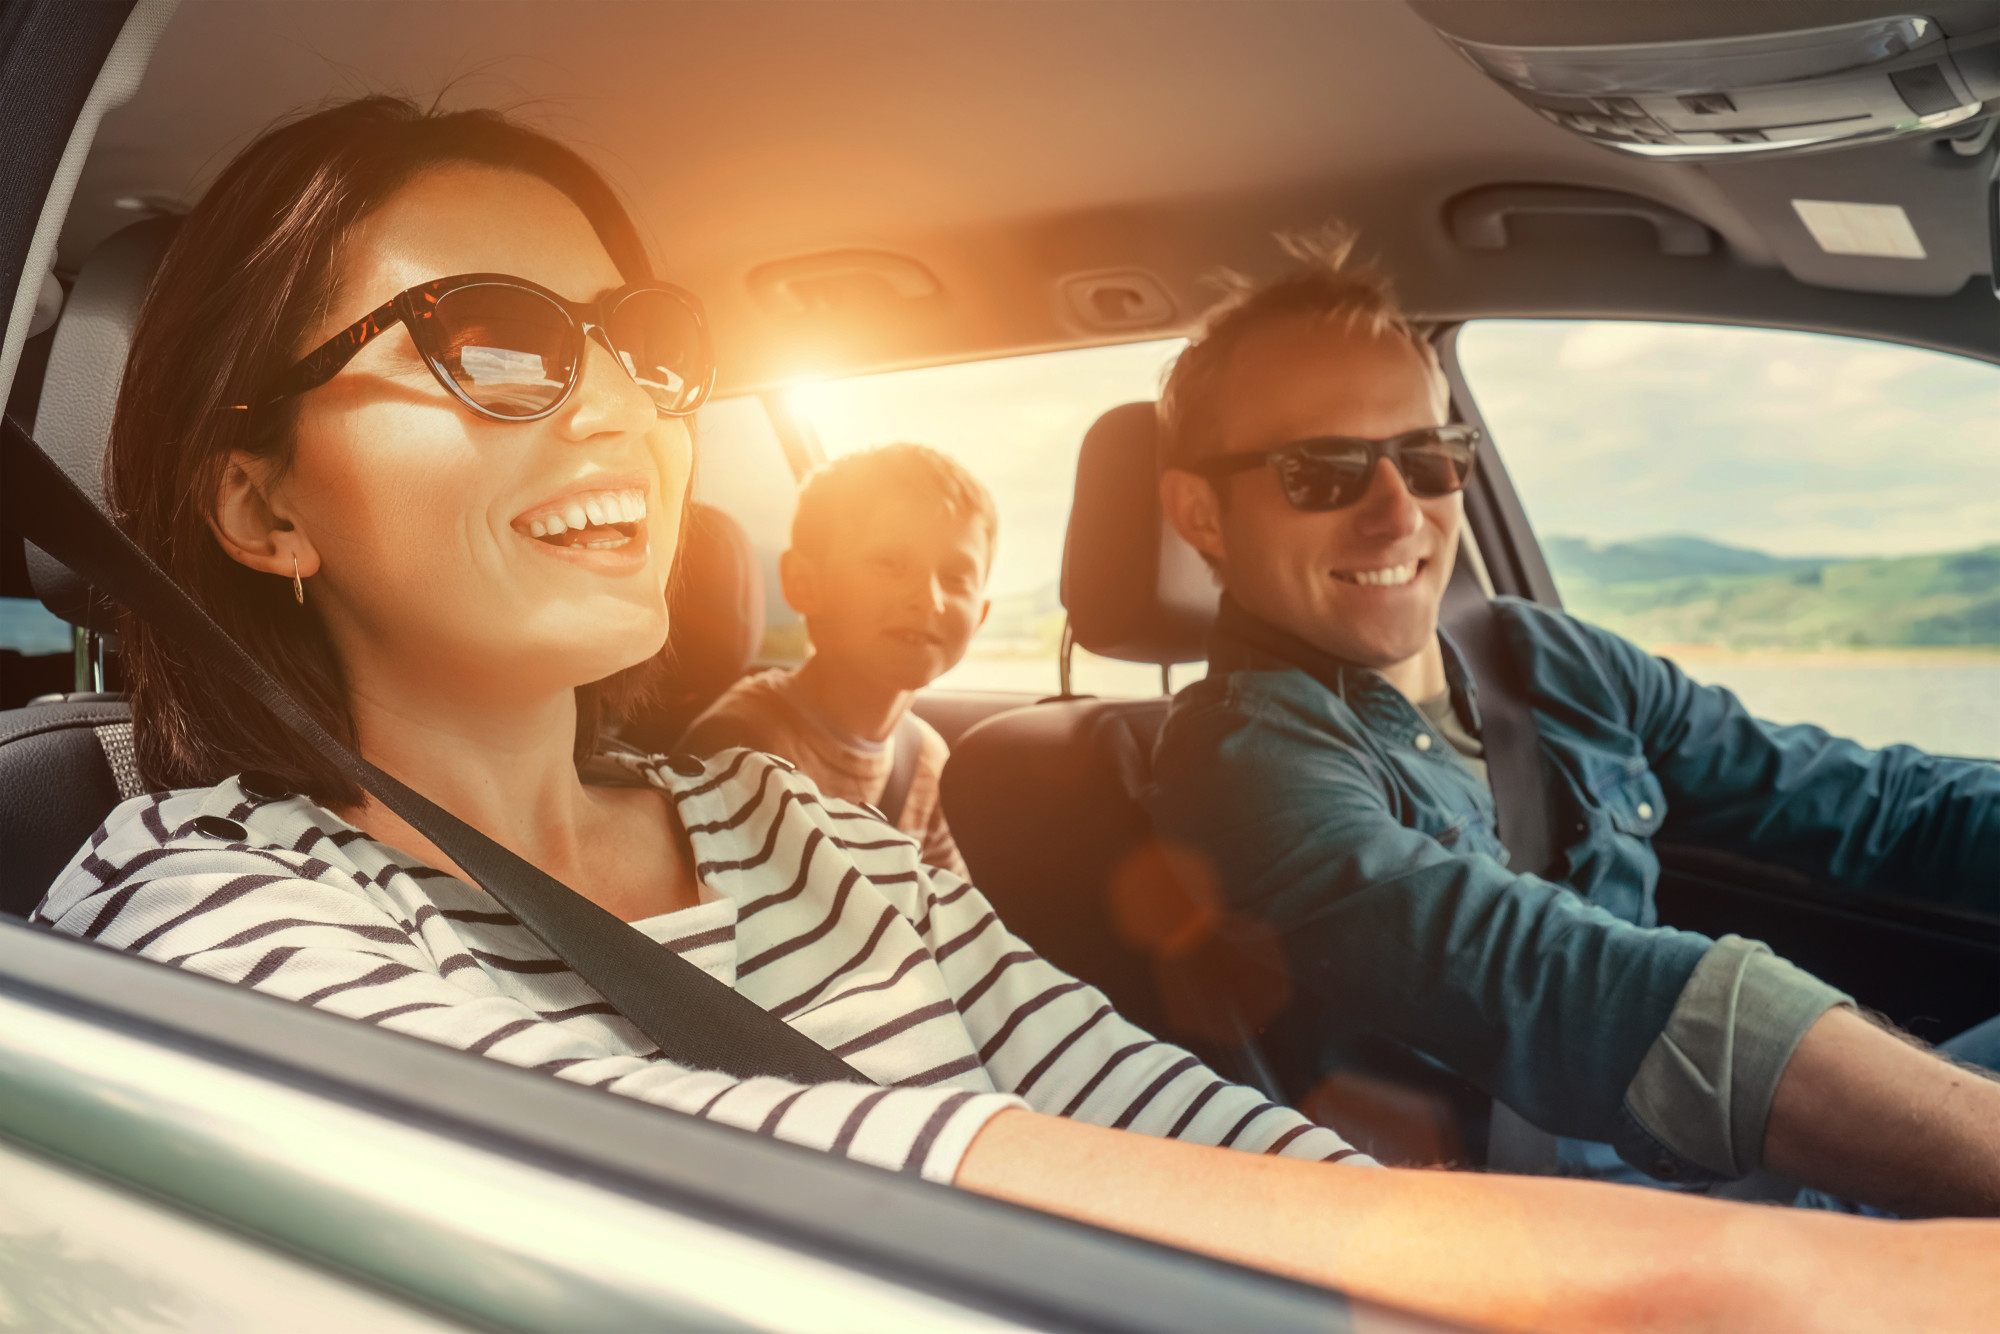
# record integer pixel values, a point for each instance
(250, 271)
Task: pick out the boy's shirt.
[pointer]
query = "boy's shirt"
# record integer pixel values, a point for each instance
(767, 711)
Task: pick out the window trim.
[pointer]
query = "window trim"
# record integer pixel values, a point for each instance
(1493, 510)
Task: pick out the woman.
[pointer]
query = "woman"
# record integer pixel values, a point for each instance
(407, 413)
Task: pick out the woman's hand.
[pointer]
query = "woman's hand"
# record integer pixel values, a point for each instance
(1502, 1252)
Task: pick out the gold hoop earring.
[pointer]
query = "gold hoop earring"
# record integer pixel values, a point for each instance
(298, 584)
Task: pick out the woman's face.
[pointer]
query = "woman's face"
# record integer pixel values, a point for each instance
(420, 515)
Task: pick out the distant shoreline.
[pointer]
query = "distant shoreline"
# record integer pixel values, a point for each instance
(1892, 656)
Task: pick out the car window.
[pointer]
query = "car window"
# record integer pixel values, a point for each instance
(1018, 423)
(1811, 521)
(741, 469)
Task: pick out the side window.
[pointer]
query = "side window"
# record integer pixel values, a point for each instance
(1810, 521)
(1018, 424)
(741, 469)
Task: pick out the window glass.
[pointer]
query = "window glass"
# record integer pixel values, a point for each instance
(1018, 424)
(741, 469)
(31, 630)
(1811, 521)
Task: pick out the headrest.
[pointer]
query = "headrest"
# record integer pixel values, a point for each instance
(1133, 588)
(715, 625)
(80, 390)
(715, 616)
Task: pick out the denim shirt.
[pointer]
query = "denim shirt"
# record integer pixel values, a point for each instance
(1335, 813)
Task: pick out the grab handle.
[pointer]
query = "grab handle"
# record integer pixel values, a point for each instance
(1478, 218)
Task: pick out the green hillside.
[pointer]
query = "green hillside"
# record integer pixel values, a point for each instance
(1690, 591)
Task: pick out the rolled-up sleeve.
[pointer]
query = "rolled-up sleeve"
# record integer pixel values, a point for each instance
(1706, 1085)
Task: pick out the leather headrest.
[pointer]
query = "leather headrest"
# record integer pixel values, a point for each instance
(715, 614)
(1133, 588)
(80, 389)
(715, 625)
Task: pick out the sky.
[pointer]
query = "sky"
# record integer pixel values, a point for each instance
(1795, 444)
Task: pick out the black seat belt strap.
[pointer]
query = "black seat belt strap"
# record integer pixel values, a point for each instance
(695, 1020)
(1513, 744)
(907, 745)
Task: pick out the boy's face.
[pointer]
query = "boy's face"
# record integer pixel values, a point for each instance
(897, 594)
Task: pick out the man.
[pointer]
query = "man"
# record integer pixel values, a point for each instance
(1331, 767)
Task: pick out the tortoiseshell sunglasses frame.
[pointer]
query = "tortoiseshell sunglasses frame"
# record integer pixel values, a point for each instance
(415, 307)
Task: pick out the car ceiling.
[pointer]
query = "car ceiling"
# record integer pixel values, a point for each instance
(984, 153)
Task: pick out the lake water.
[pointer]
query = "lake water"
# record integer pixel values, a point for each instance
(1949, 704)
(1944, 702)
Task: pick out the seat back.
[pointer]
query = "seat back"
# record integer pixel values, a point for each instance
(1044, 801)
(62, 768)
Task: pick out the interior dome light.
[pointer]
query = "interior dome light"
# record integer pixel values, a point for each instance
(1771, 93)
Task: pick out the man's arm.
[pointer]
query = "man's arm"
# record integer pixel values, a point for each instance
(1870, 1116)
(1502, 1252)
(1889, 819)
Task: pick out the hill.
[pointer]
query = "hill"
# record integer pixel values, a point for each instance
(1648, 559)
(1686, 590)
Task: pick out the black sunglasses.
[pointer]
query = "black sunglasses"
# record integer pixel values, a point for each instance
(513, 350)
(1331, 472)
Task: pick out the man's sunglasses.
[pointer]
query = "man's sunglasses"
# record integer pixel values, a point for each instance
(1332, 472)
(513, 350)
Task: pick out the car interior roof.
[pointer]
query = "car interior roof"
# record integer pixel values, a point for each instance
(885, 183)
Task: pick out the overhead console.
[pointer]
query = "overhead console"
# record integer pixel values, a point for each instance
(1736, 94)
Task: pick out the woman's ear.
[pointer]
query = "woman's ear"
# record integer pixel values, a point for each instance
(799, 577)
(1192, 507)
(251, 527)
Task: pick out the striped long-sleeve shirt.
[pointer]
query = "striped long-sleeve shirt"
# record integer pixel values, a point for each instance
(811, 907)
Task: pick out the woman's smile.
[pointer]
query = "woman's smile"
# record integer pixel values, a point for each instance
(599, 523)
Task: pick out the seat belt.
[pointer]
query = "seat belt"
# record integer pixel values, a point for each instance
(695, 1020)
(908, 744)
(1513, 748)
(1513, 744)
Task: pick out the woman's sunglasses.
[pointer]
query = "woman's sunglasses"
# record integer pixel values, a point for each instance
(1332, 472)
(513, 350)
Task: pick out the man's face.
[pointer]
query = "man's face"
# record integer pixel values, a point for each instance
(1364, 582)
(896, 599)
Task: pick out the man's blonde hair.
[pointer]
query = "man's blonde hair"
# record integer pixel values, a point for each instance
(834, 491)
(1326, 283)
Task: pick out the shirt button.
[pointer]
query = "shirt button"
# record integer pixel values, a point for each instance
(1645, 810)
(263, 786)
(215, 826)
(1423, 741)
(687, 766)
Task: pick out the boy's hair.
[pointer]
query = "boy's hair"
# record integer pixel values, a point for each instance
(833, 491)
(1326, 284)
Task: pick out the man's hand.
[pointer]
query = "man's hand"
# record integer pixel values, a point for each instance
(1869, 1116)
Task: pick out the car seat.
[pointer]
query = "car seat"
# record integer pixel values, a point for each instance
(715, 625)
(66, 760)
(1044, 804)
(1043, 800)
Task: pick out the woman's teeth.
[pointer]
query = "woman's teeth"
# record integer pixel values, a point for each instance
(1392, 577)
(608, 512)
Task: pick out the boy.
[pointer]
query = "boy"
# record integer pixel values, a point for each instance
(888, 563)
